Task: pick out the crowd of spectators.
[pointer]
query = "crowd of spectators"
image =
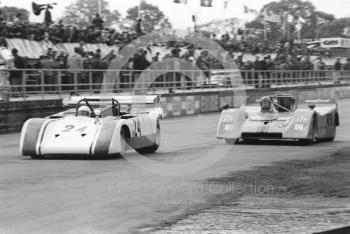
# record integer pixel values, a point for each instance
(61, 33)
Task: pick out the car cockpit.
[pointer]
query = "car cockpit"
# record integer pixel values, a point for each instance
(285, 103)
(89, 108)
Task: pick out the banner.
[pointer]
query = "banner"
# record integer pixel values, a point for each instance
(180, 1)
(206, 3)
(248, 10)
(336, 42)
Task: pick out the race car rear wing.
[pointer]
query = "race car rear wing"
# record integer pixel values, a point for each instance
(123, 100)
(319, 101)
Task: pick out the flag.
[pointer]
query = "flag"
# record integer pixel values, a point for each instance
(346, 31)
(206, 3)
(271, 17)
(194, 18)
(299, 24)
(248, 10)
(180, 1)
(321, 20)
(225, 4)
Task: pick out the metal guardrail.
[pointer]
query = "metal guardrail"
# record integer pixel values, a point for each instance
(59, 83)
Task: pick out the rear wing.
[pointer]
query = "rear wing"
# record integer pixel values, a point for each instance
(123, 100)
(329, 101)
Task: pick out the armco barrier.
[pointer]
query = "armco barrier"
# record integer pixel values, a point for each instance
(13, 114)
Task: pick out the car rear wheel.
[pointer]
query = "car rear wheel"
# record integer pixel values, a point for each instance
(333, 133)
(313, 138)
(37, 156)
(231, 141)
(153, 148)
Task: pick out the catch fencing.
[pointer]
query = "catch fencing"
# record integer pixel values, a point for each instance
(45, 83)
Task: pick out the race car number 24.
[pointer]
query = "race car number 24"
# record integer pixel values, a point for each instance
(70, 128)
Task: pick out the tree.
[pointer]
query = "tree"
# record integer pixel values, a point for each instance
(335, 28)
(81, 13)
(11, 13)
(152, 17)
(298, 9)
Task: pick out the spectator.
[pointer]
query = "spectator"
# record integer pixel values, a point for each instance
(75, 63)
(318, 64)
(47, 63)
(97, 76)
(140, 61)
(97, 21)
(337, 65)
(347, 64)
(17, 76)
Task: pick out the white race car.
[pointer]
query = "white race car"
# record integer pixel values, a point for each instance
(97, 126)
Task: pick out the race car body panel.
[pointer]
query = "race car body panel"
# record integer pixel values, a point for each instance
(315, 122)
(69, 133)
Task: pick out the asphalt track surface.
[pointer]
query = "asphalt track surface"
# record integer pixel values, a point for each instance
(78, 195)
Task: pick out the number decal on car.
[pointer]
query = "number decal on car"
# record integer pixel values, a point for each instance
(299, 127)
(69, 128)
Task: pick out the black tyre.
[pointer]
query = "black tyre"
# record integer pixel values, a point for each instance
(37, 157)
(231, 141)
(152, 148)
(313, 138)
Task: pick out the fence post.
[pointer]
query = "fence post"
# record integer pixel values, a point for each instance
(42, 82)
(59, 82)
(23, 85)
(75, 80)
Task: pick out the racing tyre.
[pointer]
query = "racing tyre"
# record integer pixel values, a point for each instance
(230, 141)
(313, 138)
(333, 134)
(153, 148)
(37, 157)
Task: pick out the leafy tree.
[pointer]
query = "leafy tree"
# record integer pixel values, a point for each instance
(334, 28)
(10, 13)
(81, 13)
(152, 17)
(297, 9)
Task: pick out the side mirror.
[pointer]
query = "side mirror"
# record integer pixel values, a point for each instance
(312, 106)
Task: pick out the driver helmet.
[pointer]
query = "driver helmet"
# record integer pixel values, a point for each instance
(84, 111)
(266, 105)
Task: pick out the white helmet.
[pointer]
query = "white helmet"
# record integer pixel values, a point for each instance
(84, 111)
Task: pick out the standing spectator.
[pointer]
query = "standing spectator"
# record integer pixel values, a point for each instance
(97, 76)
(75, 62)
(47, 64)
(347, 64)
(337, 68)
(347, 68)
(318, 64)
(17, 76)
(97, 21)
(140, 61)
(337, 65)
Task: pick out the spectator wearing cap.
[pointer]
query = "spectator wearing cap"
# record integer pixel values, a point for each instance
(17, 76)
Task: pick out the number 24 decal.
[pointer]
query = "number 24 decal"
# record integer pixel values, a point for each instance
(69, 128)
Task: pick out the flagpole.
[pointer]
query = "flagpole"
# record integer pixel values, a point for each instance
(139, 9)
(265, 30)
(99, 7)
